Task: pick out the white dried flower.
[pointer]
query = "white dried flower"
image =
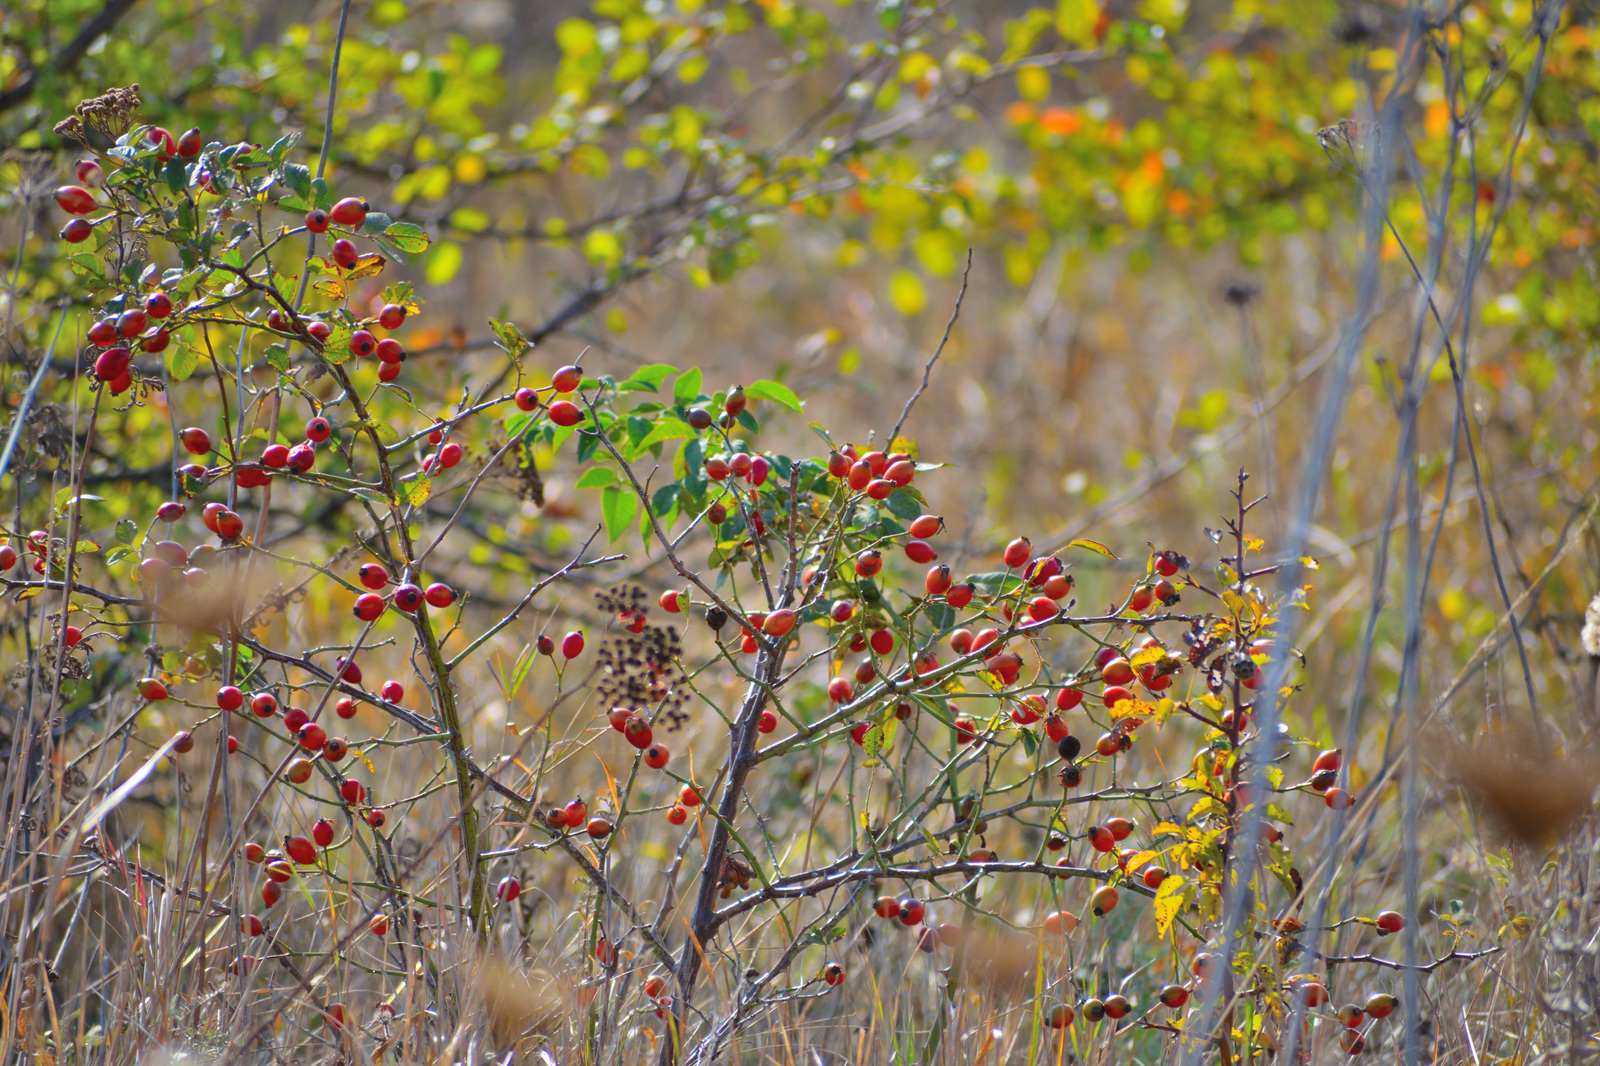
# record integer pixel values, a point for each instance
(1591, 628)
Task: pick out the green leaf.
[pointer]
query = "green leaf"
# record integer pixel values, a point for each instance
(508, 337)
(597, 477)
(880, 736)
(280, 147)
(278, 358)
(321, 194)
(298, 178)
(664, 498)
(336, 349)
(687, 388)
(995, 581)
(903, 504)
(181, 361)
(653, 375)
(618, 506)
(668, 428)
(776, 392)
(293, 204)
(412, 238)
(416, 491)
(88, 265)
(125, 531)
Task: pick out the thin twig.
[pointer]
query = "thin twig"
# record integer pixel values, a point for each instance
(927, 370)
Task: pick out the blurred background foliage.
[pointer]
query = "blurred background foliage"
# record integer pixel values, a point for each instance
(1158, 195)
(1155, 217)
(1160, 199)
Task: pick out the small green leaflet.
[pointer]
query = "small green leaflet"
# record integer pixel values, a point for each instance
(336, 349)
(774, 391)
(687, 388)
(181, 361)
(408, 237)
(298, 178)
(618, 506)
(278, 358)
(597, 477)
(651, 377)
(879, 737)
(88, 265)
(669, 428)
(416, 492)
(508, 337)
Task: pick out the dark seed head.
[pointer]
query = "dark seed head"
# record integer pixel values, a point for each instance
(716, 617)
(1069, 746)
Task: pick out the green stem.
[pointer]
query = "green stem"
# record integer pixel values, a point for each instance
(456, 745)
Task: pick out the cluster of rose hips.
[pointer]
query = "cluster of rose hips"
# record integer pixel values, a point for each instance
(37, 545)
(277, 868)
(1307, 991)
(1092, 1009)
(79, 201)
(875, 474)
(635, 729)
(1352, 1016)
(389, 352)
(562, 412)
(572, 816)
(407, 597)
(655, 989)
(912, 913)
(141, 323)
(1324, 772)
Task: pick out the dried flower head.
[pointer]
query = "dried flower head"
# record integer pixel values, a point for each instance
(639, 662)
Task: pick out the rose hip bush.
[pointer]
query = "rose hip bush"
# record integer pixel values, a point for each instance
(785, 735)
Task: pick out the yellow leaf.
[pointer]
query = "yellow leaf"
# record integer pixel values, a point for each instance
(1152, 654)
(904, 446)
(611, 785)
(1133, 709)
(366, 267)
(1169, 901)
(1138, 859)
(1094, 546)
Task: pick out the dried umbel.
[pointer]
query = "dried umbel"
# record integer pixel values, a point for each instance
(110, 114)
(639, 661)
